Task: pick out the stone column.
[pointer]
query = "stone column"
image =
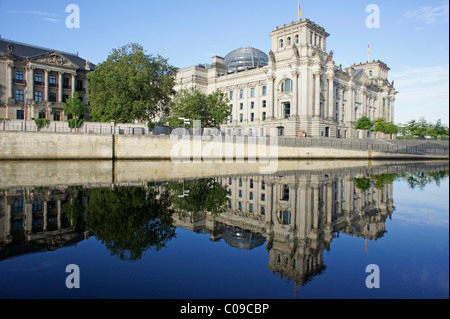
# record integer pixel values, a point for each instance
(392, 109)
(331, 102)
(10, 81)
(270, 98)
(294, 107)
(45, 216)
(46, 89)
(317, 95)
(74, 79)
(60, 87)
(30, 83)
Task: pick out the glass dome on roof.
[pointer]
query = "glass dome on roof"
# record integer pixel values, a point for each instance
(242, 58)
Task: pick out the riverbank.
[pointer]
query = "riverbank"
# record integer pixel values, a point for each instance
(69, 146)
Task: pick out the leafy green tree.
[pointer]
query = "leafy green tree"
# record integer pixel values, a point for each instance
(212, 110)
(364, 123)
(75, 108)
(129, 221)
(205, 195)
(386, 127)
(131, 86)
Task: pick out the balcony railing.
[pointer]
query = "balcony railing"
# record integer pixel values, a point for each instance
(53, 85)
(19, 81)
(67, 87)
(38, 83)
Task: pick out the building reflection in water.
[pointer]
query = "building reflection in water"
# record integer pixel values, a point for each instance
(295, 214)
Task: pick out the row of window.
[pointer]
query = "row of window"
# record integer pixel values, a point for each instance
(51, 80)
(314, 39)
(283, 216)
(286, 114)
(252, 93)
(38, 96)
(286, 86)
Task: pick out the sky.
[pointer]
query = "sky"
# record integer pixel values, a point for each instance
(412, 37)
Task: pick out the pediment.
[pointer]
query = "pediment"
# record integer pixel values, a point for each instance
(361, 76)
(54, 59)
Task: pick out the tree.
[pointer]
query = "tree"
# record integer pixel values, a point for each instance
(130, 221)
(364, 123)
(212, 110)
(75, 108)
(386, 127)
(131, 86)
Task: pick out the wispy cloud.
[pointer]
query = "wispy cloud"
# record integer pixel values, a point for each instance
(423, 92)
(429, 14)
(46, 16)
(51, 19)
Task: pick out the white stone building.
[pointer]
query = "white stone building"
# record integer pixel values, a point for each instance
(296, 88)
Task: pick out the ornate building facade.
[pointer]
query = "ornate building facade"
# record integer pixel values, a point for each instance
(34, 81)
(296, 88)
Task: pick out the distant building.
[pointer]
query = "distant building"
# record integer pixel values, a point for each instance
(296, 89)
(43, 78)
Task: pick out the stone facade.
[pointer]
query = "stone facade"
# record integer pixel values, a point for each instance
(300, 92)
(34, 81)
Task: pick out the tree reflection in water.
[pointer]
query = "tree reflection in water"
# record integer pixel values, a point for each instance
(130, 220)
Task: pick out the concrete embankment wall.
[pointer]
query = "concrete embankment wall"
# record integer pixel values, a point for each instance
(66, 146)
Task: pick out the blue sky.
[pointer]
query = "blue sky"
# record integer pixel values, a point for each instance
(413, 38)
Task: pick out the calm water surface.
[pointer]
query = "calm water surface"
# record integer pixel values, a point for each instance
(294, 234)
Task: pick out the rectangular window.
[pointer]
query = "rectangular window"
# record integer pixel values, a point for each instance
(19, 115)
(251, 183)
(285, 192)
(240, 193)
(37, 206)
(240, 182)
(230, 181)
(287, 110)
(52, 97)
(240, 205)
(263, 197)
(38, 78)
(241, 118)
(263, 210)
(231, 118)
(38, 96)
(252, 92)
(252, 117)
(52, 79)
(264, 116)
(264, 103)
(42, 114)
(231, 95)
(56, 116)
(18, 206)
(66, 84)
(250, 196)
(264, 90)
(19, 95)
(241, 94)
(19, 75)
(252, 105)
(250, 208)
(263, 185)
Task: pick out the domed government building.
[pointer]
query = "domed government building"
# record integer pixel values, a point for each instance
(296, 88)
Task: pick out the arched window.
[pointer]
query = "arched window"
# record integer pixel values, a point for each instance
(286, 85)
(297, 39)
(281, 43)
(289, 41)
(370, 73)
